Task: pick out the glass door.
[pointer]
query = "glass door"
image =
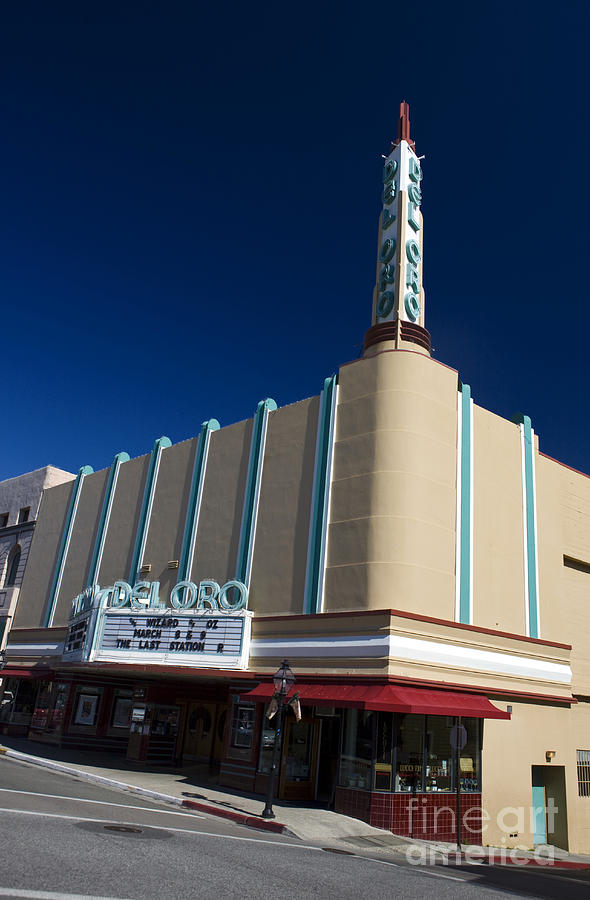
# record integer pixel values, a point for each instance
(298, 769)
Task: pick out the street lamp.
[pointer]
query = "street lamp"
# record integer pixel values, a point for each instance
(283, 680)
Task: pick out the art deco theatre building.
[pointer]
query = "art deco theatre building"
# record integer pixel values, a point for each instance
(421, 564)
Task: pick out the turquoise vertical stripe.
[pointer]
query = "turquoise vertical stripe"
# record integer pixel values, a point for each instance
(316, 551)
(531, 536)
(538, 816)
(252, 493)
(64, 544)
(194, 501)
(464, 573)
(105, 516)
(146, 506)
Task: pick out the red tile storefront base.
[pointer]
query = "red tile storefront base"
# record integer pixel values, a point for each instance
(353, 803)
(428, 817)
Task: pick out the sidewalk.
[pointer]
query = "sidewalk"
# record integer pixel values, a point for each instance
(192, 788)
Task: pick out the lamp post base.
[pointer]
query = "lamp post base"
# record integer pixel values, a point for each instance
(267, 813)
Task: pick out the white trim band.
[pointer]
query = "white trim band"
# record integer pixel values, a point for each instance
(415, 650)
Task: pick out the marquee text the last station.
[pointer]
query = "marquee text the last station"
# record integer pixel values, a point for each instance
(173, 634)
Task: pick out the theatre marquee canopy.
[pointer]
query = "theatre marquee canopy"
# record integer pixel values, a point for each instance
(205, 626)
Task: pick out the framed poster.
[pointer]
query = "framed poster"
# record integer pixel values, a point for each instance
(86, 709)
(122, 712)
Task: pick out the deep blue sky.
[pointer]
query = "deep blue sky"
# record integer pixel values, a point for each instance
(189, 196)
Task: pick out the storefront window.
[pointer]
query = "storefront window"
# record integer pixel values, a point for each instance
(41, 712)
(409, 753)
(470, 757)
(8, 698)
(384, 752)
(25, 693)
(357, 749)
(439, 755)
(267, 743)
(165, 721)
(299, 738)
(242, 729)
(56, 715)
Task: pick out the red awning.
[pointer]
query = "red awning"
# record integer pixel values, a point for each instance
(388, 698)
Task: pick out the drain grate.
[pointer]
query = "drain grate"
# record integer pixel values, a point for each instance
(338, 850)
(125, 829)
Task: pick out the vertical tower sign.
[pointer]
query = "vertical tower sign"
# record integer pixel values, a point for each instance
(398, 293)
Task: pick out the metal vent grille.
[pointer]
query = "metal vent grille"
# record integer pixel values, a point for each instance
(583, 760)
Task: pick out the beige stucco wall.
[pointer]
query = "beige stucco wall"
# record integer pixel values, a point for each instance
(498, 553)
(563, 510)
(218, 533)
(166, 527)
(119, 542)
(391, 539)
(510, 750)
(34, 592)
(282, 534)
(553, 619)
(79, 556)
(574, 609)
(280, 548)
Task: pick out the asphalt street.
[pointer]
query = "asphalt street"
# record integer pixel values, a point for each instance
(62, 839)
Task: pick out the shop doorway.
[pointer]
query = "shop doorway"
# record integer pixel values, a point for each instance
(203, 736)
(328, 758)
(298, 769)
(549, 806)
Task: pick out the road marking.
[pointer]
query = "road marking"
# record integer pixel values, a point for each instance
(383, 862)
(50, 895)
(167, 812)
(229, 837)
(423, 871)
(418, 870)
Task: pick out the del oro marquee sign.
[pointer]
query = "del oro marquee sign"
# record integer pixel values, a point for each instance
(204, 625)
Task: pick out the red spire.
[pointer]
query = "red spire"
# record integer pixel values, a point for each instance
(403, 126)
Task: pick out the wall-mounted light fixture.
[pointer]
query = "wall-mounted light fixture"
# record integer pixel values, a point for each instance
(549, 754)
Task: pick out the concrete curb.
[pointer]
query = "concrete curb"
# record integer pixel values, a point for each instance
(237, 817)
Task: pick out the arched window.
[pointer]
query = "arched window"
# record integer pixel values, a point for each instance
(12, 566)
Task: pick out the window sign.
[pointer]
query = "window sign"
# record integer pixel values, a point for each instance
(86, 709)
(243, 724)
